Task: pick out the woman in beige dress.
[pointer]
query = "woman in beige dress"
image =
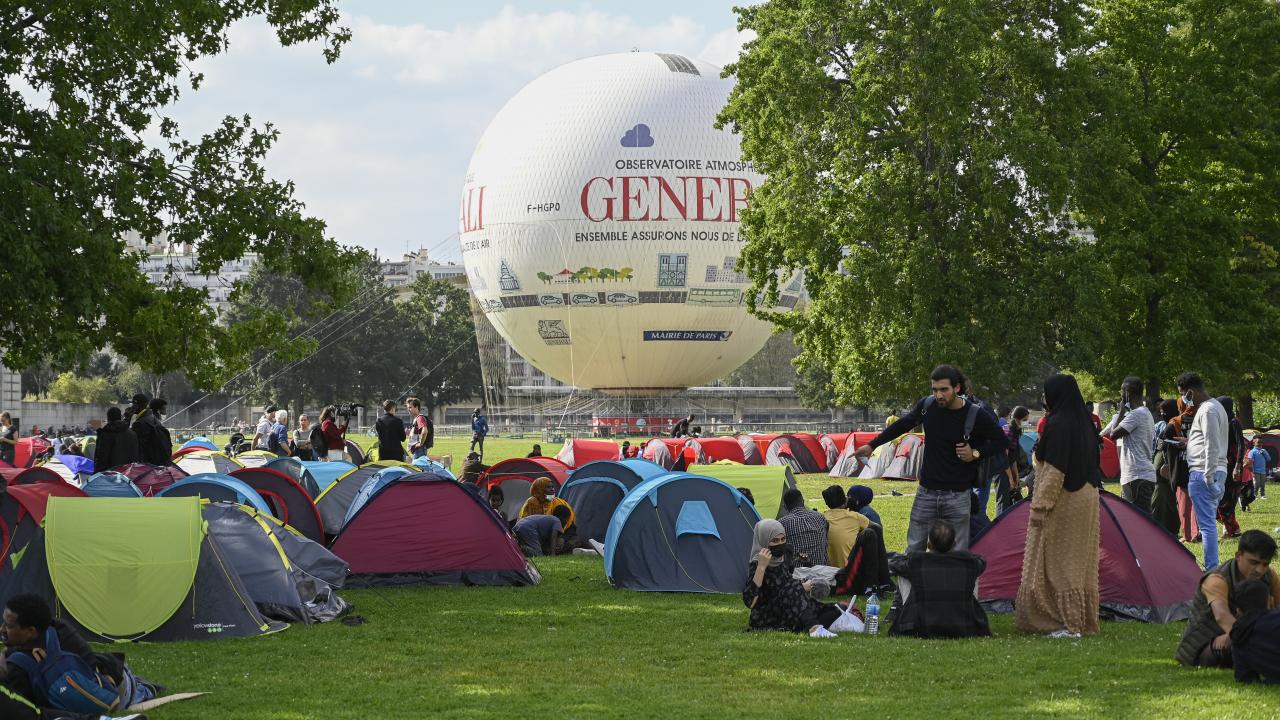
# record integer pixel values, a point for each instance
(1059, 591)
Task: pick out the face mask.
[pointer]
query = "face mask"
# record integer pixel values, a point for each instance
(780, 550)
(550, 498)
(1189, 399)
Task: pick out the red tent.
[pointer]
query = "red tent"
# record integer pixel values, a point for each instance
(714, 449)
(37, 474)
(189, 449)
(151, 479)
(578, 452)
(9, 474)
(1143, 572)
(794, 451)
(1109, 461)
(288, 500)
(750, 451)
(516, 475)
(663, 451)
(29, 449)
(816, 450)
(22, 510)
(427, 528)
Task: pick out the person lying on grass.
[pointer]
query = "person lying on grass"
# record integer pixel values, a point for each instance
(1225, 593)
(777, 600)
(28, 624)
(935, 589)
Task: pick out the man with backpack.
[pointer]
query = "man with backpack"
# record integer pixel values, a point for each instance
(958, 435)
(422, 432)
(48, 664)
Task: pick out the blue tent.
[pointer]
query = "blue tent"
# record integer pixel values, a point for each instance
(212, 486)
(371, 487)
(203, 442)
(426, 464)
(326, 473)
(294, 468)
(678, 532)
(1028, 442)
(78, 464)
(111, 484)
(595, 490)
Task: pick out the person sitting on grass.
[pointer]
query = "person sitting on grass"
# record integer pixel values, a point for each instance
(860, 497)
(25, 633)
(536, 452)
(1223, 597)
(936, 589)
(843, 525)
(777, 600)
(539, 535)
(806, 528)
(542, 501)
(472, 469)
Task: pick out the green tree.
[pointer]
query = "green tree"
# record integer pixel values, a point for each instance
(771, 367)
(439, 315)
(87, 83)
(1178, 182)
(916, 174)
(72, 388)
(814, 387)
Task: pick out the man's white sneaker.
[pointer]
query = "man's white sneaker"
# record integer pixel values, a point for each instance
(1064, 633)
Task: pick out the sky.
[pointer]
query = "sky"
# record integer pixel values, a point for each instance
(378, 143)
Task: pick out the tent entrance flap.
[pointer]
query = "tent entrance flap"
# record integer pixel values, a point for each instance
(119, 547)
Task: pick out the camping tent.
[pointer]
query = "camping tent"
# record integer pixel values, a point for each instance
(715, 449)
(38, 474)
(286, 498)
(294, 468)
(289, 577)
(326, 473)
(766, 482)
(29, 450)
(357, 455)
(847, 463)
(750, 450)
(22, 509)
(255, 458)
(336, 499)
(516, 475)
(908, 456)
(426, 464)
(663, 451)
(375, 483)
(595, 489)
(206, 461)
(1144, 573)
(74, 469)
(151, 479)
(1109, 459)
(118, 569)
(801, 452)
(578, 452)
(426, 528)
(832, 445)
(199, 442)
(111, 484)
(680, 533)
(219, 488)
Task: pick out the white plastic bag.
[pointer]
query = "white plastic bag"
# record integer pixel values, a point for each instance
(848, 622)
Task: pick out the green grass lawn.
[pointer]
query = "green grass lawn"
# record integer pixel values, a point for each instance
(574, 647)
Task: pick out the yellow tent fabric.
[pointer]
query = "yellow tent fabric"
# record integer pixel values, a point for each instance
(103, 549)
(766, 482)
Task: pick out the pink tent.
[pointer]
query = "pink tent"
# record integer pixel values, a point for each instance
(1143, 572)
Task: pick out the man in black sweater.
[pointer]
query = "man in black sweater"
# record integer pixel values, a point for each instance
(949, 470)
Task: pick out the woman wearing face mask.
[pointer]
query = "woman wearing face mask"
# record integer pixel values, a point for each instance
(542, 501)
(1059, 591)
(777, 600)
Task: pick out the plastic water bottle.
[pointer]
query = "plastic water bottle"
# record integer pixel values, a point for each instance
(873, 614)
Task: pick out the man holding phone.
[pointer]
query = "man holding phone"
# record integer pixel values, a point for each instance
(1134, 429)
(949, 470)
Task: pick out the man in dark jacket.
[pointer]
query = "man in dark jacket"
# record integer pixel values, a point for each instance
(472, 469)
(117, 443)
(391, 433)
(154, 444)
(936, 589)
(136, 409)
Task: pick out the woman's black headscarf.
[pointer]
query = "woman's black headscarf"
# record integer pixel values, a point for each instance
(1070, 441)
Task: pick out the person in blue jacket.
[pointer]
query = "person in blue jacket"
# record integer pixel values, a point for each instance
(479, 429)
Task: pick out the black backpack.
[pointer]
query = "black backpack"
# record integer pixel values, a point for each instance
(317, 443)
(989, 464)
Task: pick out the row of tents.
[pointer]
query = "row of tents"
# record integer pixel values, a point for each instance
(832, 453)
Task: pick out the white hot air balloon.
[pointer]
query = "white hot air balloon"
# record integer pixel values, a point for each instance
(599, 226)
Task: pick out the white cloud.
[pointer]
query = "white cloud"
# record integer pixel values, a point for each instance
(378, 143)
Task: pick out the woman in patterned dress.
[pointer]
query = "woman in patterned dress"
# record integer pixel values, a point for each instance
(777, 600)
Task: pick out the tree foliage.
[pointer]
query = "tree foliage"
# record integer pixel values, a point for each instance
(72, 388)
(914, 170)
(375, 348)
(86, 83)
(771, 367)
(1178, 180)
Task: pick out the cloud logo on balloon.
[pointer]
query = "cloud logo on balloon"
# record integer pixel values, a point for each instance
(638, 137)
